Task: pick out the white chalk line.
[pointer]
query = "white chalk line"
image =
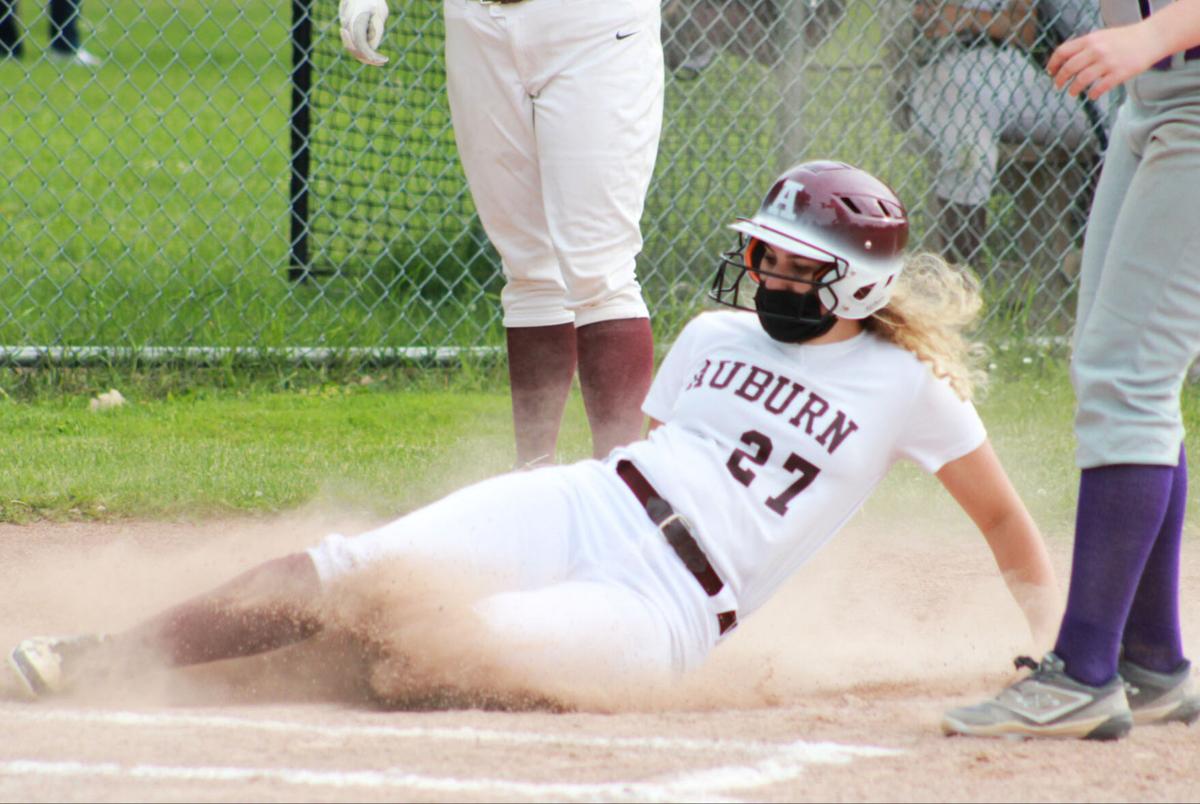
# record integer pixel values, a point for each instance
(447, 734)
(779, 762)
(361, 779)
(699, 786)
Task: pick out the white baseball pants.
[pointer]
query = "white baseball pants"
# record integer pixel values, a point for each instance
(586, 582)
(557, 109)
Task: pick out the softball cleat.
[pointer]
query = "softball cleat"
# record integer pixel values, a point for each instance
(1047, 703)
(1157, 698)
(43, 665)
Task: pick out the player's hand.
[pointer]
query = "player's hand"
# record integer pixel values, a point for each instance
(1103, 59)
(362, 29)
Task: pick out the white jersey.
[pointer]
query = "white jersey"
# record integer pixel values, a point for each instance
(768, 448)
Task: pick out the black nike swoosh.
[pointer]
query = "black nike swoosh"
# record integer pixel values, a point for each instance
(626, 35)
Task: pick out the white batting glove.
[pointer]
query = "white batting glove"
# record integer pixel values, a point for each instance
(362, 29)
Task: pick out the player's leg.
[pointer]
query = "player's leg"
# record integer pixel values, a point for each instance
(1152, 637)
(64, 26)
(10, 30)
(493, 126)
(577, 634)
(267, 607)
(1096, 702)
(541, 365)
(616, 366)
(597, 70)
(1130, 362)
(1152, 663)
(956, 103)
(513, 531)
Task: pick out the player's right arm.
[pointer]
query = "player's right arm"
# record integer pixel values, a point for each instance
(980, 485)
(362, 29)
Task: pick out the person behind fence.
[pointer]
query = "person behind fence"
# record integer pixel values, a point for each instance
(1119, 658)
(557, 110)
(63, 19)
(770, 425)
(982, 84)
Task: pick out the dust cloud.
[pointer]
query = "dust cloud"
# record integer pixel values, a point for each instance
(895, 599)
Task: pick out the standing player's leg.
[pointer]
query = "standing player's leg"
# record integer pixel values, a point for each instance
(598, 72)
(956, 110)
(1138, 337)
(1152, 661)
(64, 26)
(492, 113)
(1137, 333)
(10, 30)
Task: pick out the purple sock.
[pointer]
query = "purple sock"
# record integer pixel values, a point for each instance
(1121, 509)
(1153, 637)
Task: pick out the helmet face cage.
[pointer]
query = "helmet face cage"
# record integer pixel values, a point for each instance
(828, 211)
(746, 261)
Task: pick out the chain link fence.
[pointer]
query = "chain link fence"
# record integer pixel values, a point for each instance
(227, 179)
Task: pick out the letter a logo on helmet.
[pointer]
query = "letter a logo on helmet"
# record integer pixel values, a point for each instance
(784, 205)
(835, 213)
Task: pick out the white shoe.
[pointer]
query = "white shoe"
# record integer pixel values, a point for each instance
(84, 58)
(39, 662)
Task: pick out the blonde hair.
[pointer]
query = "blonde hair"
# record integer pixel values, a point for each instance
(930, 314)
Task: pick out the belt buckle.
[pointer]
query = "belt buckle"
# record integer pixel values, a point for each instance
(674, 517)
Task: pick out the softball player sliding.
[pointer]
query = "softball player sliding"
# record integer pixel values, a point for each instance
(770, 425)
(1137, 330)
(557, 110)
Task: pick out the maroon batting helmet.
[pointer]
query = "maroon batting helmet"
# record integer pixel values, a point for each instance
(834, 213)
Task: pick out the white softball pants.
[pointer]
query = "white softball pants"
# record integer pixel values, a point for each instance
(580, 580)
(557, 122)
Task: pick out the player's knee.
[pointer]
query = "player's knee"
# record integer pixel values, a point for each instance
(606, 299)
(535, 303)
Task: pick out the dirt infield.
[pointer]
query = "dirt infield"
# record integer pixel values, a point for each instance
(832, 693)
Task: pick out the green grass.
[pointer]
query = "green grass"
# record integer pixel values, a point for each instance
(395, 442)
(222, 451)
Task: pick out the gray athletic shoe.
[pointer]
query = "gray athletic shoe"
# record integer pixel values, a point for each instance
(1160, 697)
(44, 665)
(1047, 703)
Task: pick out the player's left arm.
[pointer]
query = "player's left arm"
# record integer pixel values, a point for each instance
(1105, 59)
(980, 485)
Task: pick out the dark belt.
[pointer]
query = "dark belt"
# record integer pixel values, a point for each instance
(1191, 54)
(676, 531)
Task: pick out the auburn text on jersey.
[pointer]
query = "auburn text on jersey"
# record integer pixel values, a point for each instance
(780, 396)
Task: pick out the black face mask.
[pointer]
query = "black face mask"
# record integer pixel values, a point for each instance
(792, 317)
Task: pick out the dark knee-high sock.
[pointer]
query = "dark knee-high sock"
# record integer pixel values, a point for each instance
(260, 610)
(10, 32)
(64, 25)
(541, 365)
(1153, 637)
(616, 364)
(1121, 509)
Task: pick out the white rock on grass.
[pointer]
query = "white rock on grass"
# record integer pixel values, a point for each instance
(112, 399)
